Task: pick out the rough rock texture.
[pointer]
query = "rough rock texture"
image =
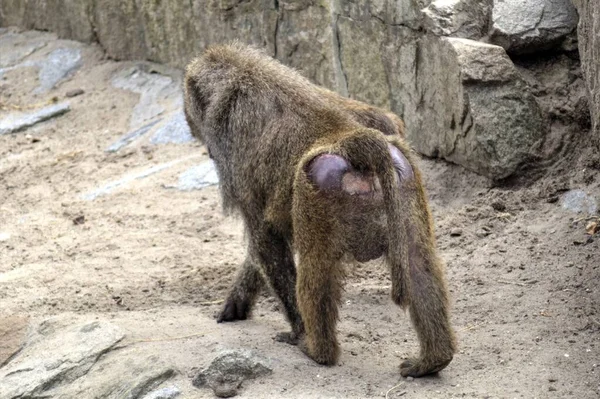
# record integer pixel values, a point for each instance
(527, 26)
(589, 49)
(19, 121)
(69, 353)
(468, 19)
(472, 93)
(230, 369)
(13, 330)
(393, 54)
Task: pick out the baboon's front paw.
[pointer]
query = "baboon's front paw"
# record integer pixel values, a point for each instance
(418, 367)
(234, 309)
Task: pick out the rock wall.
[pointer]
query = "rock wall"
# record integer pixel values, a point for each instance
(589, 48)
(462, 100)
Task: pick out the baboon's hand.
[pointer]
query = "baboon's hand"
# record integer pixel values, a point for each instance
(414, 367)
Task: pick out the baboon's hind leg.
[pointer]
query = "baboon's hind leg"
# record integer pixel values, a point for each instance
(425, 293)
(243, 293)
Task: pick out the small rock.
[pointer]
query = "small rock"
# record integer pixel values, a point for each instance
(409, 378)
(456, 232)
(551, 389)
(579, 201)
(74, 93)
(552, 379)
(79, 220)
(4, 236)
(482, 233)
(229, 369)
(499, 206)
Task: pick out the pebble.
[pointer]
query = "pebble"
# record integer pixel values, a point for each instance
(74, 93)
(456, 232)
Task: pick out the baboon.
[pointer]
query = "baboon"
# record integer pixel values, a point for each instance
(326, 178)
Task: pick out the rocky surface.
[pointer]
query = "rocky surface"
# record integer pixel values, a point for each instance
(532, 26)
(491, 121)
(69, 352)
(589, 49)
(380, 52)
(230, 369)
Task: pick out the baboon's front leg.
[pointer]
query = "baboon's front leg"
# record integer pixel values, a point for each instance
(243, 293)
(273, 253)
(319, 289)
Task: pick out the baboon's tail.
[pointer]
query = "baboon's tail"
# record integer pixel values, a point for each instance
(389, 159)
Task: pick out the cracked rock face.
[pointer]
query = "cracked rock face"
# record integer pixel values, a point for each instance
(527, 26)
(68, 354)
(468, 19)
(473, 108)
(589, 50)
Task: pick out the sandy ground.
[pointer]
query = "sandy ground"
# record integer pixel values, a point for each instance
(157, 262)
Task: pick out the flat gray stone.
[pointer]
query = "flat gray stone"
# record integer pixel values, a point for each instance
(527, 26)
(230, 369)
(59, 64)
(17, 122)
(131, 136)
(55, 356)
(579, 201)
(164, 393)
(13, 53)
(109, 187)
(152, 88)
(174, 130)
(199, 176)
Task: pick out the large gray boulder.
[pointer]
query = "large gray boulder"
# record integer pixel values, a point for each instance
(472, 108)
(589, 49)
(526, 26)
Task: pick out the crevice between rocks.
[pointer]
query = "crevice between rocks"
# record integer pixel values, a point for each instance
(341, 79)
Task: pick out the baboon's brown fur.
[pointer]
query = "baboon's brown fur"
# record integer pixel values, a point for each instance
(263, 124)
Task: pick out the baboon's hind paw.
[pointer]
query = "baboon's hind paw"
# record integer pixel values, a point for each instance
(418, 368)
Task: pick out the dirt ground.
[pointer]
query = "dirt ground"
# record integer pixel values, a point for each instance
(157, 261)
